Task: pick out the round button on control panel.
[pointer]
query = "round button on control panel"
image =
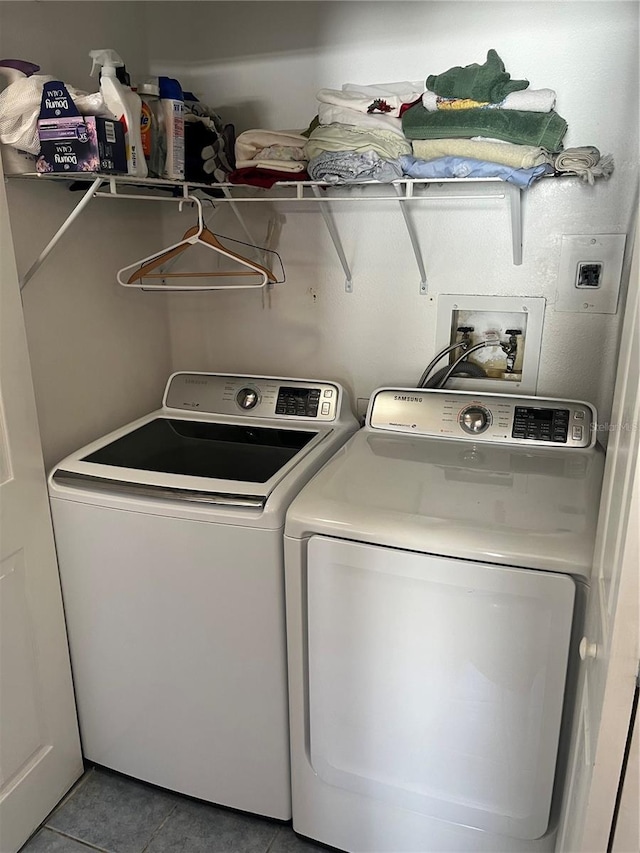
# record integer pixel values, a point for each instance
(475, 419)
(247, 398)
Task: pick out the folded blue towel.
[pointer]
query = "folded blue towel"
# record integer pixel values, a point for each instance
(466, 167)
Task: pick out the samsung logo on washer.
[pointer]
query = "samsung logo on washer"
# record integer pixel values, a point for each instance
(405, 398)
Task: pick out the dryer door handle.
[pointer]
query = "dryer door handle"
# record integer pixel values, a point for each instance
(587, 649)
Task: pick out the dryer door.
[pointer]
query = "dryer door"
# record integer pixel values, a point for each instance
(437, 685)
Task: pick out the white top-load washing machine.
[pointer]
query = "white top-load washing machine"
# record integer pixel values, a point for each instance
(436, 573)
(169, 534)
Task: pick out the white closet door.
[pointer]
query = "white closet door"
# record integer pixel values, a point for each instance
(612, 641)
(39, 746)
(437, 685)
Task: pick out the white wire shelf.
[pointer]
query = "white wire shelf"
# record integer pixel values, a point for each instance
(401, 191)
(302, 189)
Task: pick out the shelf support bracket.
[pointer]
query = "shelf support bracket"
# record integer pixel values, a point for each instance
(413, 237)
(77, 210)
(333, 232)
(514, 194)
(238, 215)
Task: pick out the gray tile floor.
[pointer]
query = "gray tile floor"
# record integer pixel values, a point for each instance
(108, 812)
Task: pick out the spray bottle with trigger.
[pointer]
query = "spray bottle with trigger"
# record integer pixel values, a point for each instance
(124, 103)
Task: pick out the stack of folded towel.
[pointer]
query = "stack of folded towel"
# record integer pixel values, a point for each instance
(478, 122)
(471, 121)
(264, 157)
(358, 135)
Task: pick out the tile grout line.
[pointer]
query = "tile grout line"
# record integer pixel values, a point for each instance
(79, 840)
(159, 827)
(273, 840)
(82, 781)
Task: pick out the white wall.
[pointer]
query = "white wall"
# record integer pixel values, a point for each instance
(100, 355)
(260, 64)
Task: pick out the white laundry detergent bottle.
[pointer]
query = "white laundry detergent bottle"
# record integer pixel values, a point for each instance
(124, 103)
(172, 109)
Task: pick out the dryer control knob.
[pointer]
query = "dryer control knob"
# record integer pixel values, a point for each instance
(475, 420)
(247, 398)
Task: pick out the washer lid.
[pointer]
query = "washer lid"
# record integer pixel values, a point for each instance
(529, 507)
(197, 458)
(244, 452)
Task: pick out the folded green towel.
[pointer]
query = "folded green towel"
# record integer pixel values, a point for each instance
(488, 82)
(521, 127)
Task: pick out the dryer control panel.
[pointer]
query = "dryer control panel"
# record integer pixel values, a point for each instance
(499, 418)
(253, 396)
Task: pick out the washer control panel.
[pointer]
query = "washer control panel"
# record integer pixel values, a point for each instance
(253, 396)
(499, 418)
(475, 419)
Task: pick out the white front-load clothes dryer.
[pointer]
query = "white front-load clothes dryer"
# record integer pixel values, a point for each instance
(436, 574)
(169, 533)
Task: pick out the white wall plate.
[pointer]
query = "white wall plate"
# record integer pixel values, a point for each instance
(589, 273)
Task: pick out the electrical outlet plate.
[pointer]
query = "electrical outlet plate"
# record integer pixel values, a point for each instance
(589, 273)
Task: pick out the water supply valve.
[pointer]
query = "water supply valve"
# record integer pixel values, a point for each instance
(510, 349)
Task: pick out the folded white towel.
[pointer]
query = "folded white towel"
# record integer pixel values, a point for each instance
(529, 100)
(251, 143)
(401, 88)
(334, 114)
(377, 99)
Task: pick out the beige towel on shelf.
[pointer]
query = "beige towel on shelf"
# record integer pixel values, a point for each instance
(505, 153)
(585, 161)
(347, 137)
(332, 114)
(251, 143)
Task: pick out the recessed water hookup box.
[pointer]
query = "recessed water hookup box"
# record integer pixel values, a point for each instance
(513, 323)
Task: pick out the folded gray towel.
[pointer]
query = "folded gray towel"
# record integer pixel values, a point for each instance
(344, 167)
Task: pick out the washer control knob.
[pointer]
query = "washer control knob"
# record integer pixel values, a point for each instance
(475, 420)
(247, 398)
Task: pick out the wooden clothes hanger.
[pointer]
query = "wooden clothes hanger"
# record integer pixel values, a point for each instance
(196, 235)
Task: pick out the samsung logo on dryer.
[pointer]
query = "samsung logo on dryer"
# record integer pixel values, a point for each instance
(407, 398)
(196, 382)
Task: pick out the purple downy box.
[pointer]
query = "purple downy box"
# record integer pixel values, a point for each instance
(70, 142)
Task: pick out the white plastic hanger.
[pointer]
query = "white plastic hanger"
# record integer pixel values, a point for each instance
(148, 268)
